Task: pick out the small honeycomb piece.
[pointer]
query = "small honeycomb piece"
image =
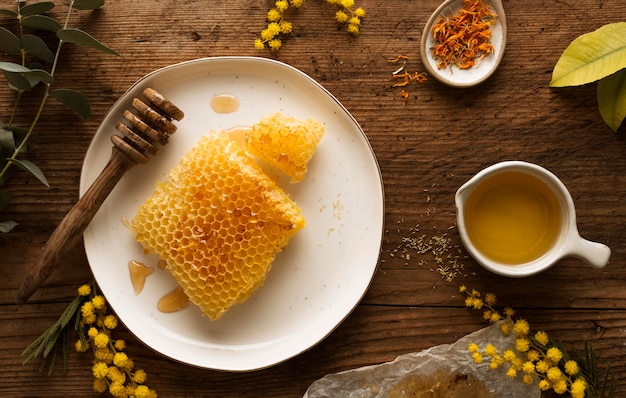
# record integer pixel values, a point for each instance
(285, 142)
(218, 222)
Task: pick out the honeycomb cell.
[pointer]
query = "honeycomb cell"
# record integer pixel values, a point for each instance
(285, 142)
(218, 222)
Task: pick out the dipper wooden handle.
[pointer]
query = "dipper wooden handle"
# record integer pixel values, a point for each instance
(152, 123)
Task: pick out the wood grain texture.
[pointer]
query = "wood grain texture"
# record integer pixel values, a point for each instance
(426, 149)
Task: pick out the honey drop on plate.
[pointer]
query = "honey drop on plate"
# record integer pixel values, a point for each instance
(173, 301)
(138, 274)
(224, 103)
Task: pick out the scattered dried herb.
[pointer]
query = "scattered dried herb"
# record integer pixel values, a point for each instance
(435, 250)
(464, 39)
(30, 51)
(405, 77)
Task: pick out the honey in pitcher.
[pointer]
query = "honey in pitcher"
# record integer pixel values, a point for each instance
(513, 218)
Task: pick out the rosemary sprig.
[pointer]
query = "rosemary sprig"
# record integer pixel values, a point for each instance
(113, 371)
(601, 384)
(47, 344)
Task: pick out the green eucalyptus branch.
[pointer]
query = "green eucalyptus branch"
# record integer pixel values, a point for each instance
(28, 74)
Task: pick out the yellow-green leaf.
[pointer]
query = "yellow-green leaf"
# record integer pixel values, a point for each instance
(612, 99)
(592, 56)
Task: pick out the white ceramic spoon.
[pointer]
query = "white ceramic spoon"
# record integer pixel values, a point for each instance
(452, 75)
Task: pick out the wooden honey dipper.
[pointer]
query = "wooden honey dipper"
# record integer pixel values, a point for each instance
(151, 123)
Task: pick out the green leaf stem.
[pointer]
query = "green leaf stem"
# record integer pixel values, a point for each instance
(6, 139)
(77, 36)
(37, 64)
(592, 56)
(19, 134)
(612, 99)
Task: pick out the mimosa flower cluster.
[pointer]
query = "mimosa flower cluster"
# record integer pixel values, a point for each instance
(113, 371)
(278, 27)
(536, 357)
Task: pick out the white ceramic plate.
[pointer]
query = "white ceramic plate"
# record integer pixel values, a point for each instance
(324, 271)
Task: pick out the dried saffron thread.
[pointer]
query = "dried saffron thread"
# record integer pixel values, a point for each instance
(401, 73)
(463, 40)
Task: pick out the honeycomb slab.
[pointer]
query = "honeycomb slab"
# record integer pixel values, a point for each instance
(285, 142)
(218, 221)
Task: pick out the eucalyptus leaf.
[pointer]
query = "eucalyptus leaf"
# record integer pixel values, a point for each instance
(32, 169)
(41, 75)
(20, 132)
(37, 75)
(11, 13)
(74, 100)
(612, 99)
(6, 226)
(13, 67)
(18, 81)
(42, 22)
(87, 4)
(18, 135)
(592, 56)
(77, 36)
(36, 8)
(6, 139)
(34, 45)
(24, 78)
(9, 43)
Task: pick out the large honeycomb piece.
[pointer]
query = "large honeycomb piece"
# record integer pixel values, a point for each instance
(218, 221)
(285, 142)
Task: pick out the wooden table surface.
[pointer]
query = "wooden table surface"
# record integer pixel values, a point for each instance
(426, 149)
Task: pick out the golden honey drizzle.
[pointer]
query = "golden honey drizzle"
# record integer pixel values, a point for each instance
(173, 301)
(224, 103)
(138, 274)
(238, 135)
